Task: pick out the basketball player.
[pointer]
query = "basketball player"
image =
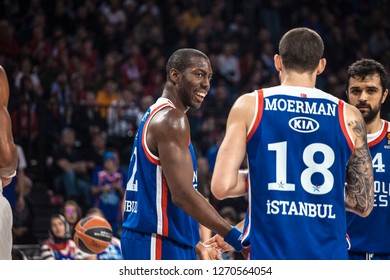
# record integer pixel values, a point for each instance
(302, 145)
(8, 165)
(367, 89)
(162, 206)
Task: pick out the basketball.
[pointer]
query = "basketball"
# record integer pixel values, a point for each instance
(92, 234)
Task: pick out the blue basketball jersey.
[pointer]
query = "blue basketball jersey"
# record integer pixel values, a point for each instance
(148, 206)
(297, 151)
(371, 234)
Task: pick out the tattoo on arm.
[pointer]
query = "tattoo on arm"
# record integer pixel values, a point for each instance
(359, 194)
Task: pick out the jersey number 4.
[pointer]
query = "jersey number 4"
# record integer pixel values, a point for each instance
(377, 163)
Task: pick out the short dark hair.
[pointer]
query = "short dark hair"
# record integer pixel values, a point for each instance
(301, 50)
(367, 67)
(181, 59)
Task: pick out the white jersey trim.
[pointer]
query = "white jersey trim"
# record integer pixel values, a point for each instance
(296, 91)
(374, 136)
(346, 126)
(159, 102)
(153, 242)
(255, 115)
(159, 200)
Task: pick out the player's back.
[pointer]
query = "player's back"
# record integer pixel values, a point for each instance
(298, 147)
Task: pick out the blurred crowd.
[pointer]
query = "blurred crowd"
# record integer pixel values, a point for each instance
(82, 72)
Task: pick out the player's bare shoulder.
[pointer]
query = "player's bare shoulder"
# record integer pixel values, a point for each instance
(168, 125)
(244, 108)
(246, 100)
(3, 75)
(170, 119)
(356, 125)
(4, 87)
(2, 71)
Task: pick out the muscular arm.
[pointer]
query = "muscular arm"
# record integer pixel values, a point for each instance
(228, 180)
(8, 154)
(359, 190)
(168, 136)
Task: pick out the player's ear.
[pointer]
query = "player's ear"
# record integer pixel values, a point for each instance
(174, 75)
(384, 95)
(278, 62)
(321, 66)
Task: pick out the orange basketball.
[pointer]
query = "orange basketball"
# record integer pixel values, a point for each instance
(92, 234)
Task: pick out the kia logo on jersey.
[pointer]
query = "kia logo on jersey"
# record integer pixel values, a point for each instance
(303, 124)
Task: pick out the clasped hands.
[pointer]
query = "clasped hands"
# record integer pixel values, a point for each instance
(212, 249)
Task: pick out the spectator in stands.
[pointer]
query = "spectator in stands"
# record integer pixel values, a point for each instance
(27, 91)
(61, 90)
(25, 125)
(77, 84)
(108, 189)
(95, 152)
(145, 103)
(86, 119)
(106, 96)
(122, 117)
(72, 213)
(27, 70)
(192, 19)
(229, 66)
(129, 70)
(71, 170)
(114, 13)
(59, 245)
(9, 46)
(53, 124)
(23, 210)
(23, 183)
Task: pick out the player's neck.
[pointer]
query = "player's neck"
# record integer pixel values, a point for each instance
(298, 79)
(375, 125)
(171, 93)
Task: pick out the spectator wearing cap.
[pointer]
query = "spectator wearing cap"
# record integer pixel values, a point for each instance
(108, 188)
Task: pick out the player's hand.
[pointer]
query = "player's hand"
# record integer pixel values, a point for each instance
(218, 242)
(245, 252)
(207, 252)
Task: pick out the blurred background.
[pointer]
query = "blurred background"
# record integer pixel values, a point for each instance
(82, 73)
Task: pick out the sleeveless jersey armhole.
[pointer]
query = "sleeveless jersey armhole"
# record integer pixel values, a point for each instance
(258, 114)
(385, 130)
(151, 157)
(343, 125)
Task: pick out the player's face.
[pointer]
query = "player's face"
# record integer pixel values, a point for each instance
(367, 95)
(195, 82)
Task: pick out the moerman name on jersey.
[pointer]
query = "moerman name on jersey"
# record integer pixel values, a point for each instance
(298, 106)
(292, 208)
